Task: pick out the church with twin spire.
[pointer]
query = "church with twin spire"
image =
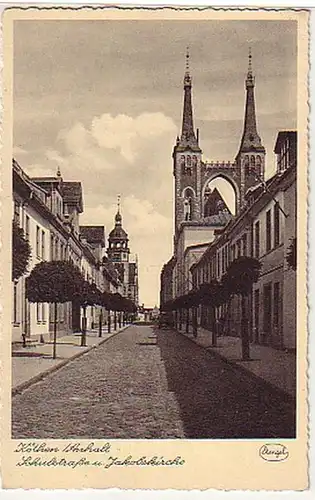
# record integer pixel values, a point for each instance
(192, 175)
(199, 211)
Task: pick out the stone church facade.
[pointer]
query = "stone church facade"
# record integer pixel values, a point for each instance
(207, 237)
(195, 224)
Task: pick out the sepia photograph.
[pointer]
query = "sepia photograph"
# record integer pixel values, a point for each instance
(155, 269)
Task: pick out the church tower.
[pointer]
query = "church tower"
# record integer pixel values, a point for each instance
(118, 248)
(250, 158)
(186, 162)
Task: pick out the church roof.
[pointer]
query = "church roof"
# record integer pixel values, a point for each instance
(72, 193)
(251, 140)
(118, 233)
(215, 204)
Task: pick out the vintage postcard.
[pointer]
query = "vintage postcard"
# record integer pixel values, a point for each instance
(154, 248)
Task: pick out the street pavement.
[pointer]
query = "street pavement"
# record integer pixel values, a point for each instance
(154, 384)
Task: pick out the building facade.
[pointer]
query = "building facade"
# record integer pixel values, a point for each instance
(48, 211)
(263, 226)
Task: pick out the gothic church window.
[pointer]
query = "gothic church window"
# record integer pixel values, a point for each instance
(258, 164)
(252, 161)
(246, 164)
(194, 161)
(188, 170)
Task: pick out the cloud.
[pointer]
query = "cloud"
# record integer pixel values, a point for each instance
(39, 170)
(126, 134)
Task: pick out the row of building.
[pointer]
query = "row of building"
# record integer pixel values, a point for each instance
(48, 210)
(208, 237)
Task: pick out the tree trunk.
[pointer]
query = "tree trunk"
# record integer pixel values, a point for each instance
(55, 331)
(109, 322)
(119, 319)
(100, 323)
(115, 320)
(214, 328)
(83, 336)
(244, 329)
(187, 320)
(195, 321)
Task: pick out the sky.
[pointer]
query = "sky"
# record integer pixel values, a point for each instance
(102, 100)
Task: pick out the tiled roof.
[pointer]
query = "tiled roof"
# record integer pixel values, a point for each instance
(72, 193)
(93, 234)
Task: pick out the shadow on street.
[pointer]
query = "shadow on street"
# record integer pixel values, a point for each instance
(217, 400)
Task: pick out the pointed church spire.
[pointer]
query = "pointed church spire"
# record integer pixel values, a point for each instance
(250, 140)
(118, 217)
(188, 136)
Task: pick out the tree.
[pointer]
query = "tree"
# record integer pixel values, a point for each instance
(86, 295)
(238, 280)
(21, 252)
(213, 294)
(291, 256)
(53, 282)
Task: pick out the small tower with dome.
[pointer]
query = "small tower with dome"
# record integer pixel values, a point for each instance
(118, 253)
(118, 242)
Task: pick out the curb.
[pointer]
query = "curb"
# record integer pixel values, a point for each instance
(281, 392)
(40, 376)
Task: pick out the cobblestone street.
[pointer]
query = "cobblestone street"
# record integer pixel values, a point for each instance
(150, 383)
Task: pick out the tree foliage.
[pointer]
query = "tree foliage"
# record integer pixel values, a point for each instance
(21, 252)
(240, 275)
(54, 282)
(214, 293)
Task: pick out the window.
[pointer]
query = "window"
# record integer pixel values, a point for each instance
(276, 305)
(267, 311)
(218, 264)
(244, 244)
(37, 241)
(246, 164)
(43, 245)
(258, 165)
(43, 312)
(232, 253)
(27, 227)
(52, 247)
(38, 312)
(16, 212)
(56, 248)
(222, 260)
(239, 247)
(276, 215)
(268, 230)
(257, 239)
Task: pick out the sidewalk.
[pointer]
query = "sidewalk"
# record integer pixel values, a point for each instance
(30, 364)
(276, 367)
